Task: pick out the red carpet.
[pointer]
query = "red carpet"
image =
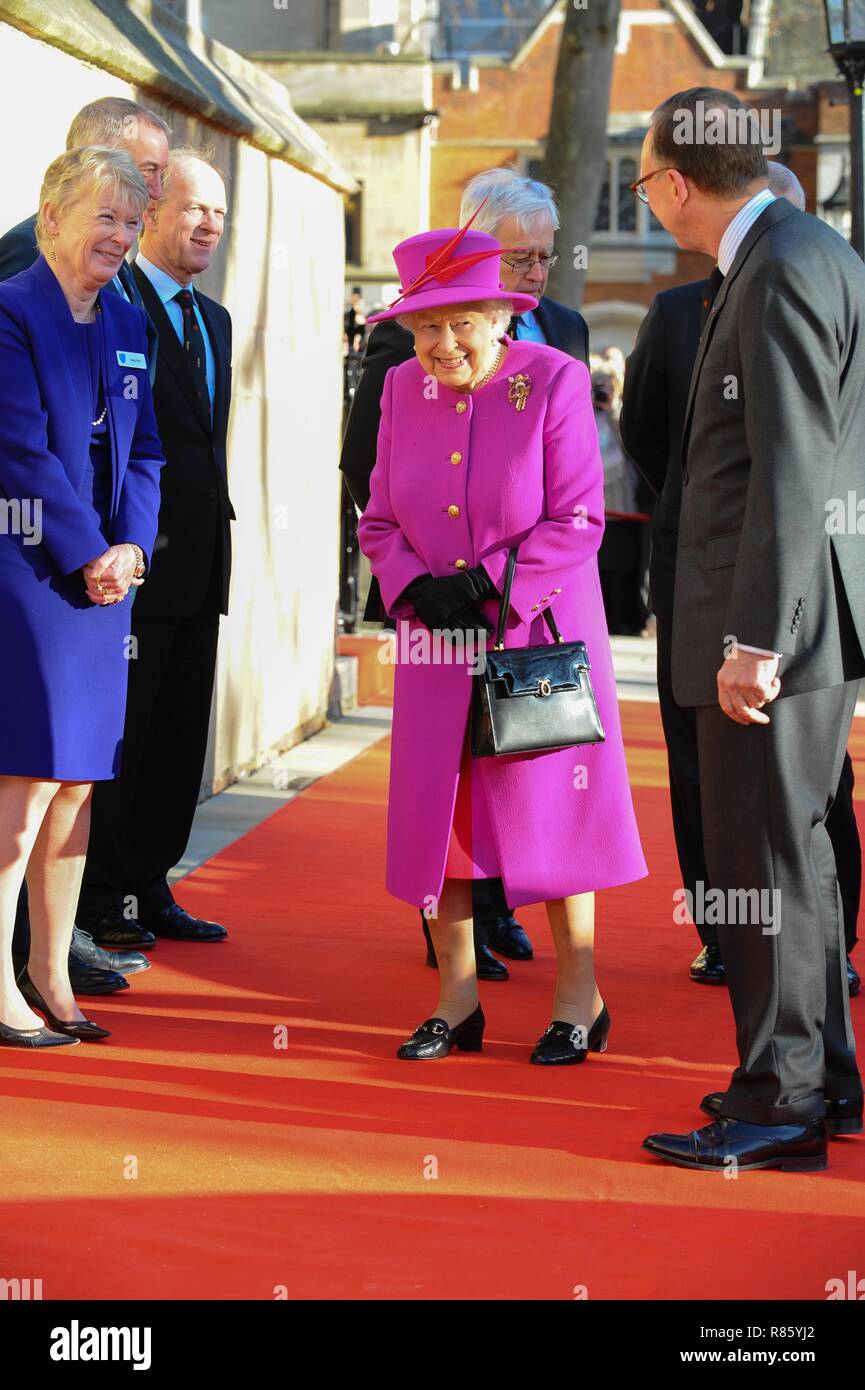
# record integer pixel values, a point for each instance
(190, 1157)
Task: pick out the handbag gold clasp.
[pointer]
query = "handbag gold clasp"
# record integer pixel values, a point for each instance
(544, 688)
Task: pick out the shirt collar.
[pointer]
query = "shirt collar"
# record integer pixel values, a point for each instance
(740, 226)
(163, 284)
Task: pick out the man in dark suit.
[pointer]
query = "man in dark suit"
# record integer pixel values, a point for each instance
(522, 215)
(768, 611)
(119, 124)
(652, 420)
(141, 822)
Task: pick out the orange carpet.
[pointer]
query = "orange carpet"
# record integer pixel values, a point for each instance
(247, 1132)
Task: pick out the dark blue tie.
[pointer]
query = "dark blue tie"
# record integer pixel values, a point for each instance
(193, 343)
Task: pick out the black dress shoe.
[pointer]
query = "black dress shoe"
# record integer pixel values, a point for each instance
(842, 1116)
(434, 1039)
(33, 1037)
(507, 938)
(799, 1148)
(84, 951)
(488, 968)
(87, 979)
(84, 1029)
(708, 968)
(486, 965)
(115, 931)
(175, 924)
(564, 1044)
(854, 984)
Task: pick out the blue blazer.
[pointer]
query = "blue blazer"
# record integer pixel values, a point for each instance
(45, 414)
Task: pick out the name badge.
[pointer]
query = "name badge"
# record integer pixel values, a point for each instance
(131, 359)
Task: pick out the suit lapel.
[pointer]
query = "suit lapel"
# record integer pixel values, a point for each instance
(775, 212)
(170, 347)
(544, 318)
(70, 356)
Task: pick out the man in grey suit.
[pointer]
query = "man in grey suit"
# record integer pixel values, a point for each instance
(769, 611)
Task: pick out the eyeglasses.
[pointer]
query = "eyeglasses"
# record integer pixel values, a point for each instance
(525, 262)
(639, 187)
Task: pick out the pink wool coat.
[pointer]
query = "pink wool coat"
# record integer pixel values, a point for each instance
(467, 477)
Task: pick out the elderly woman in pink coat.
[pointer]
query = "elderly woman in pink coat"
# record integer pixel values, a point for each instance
(487, 443)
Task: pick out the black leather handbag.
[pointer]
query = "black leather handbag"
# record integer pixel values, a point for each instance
(533, 699)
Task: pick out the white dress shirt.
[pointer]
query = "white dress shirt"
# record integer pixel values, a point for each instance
(167, 288)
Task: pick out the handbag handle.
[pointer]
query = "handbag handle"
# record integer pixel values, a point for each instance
(504, 607)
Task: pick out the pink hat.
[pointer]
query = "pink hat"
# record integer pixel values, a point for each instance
(453, 266)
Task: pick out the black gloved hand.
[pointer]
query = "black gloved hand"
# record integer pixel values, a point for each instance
(451, 600)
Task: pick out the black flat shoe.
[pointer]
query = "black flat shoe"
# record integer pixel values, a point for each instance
(708, 968)
(33, 1037)
(114, 931)
(799, 1148)
(434, 1039)
(854, 984)
(842, 1116)
(83, 1030)
(176, 925)
(507, 938)
(565, 1044)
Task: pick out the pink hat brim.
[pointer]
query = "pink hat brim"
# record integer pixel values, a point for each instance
(441, 295)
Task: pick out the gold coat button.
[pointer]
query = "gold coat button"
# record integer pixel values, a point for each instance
(453, 509)
(461, 407)
(461, 564)
(456, 456)
(535, 607)
(557, 591)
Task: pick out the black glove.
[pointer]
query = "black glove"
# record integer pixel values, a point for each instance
(451, 601)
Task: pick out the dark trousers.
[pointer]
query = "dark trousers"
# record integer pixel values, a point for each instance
(680, 734)
(766, 792)
(141, 822)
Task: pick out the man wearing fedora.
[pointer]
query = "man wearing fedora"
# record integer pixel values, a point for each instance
(522, 215)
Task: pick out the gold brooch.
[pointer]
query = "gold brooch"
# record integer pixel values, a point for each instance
(518, 389)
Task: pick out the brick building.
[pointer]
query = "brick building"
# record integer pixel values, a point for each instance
(416, 96)
(495, 111)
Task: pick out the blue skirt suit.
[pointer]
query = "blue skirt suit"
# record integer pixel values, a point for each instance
(79, 460)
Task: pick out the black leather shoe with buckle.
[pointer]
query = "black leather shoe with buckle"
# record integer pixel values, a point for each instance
(565, 1044)
(434, 1039)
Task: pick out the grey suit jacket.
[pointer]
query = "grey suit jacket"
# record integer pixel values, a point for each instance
(774, 430)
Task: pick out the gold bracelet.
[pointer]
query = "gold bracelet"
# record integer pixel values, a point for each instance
(140, 567)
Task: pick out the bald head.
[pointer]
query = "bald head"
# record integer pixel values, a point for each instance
(784, 184)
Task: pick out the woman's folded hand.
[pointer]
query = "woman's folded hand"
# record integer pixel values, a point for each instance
(450, 602)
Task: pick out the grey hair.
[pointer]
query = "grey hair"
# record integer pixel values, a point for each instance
(70, 174)
(498, 311)
(784, 184)
(185, 154)
(109, 121)
(507, 194)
